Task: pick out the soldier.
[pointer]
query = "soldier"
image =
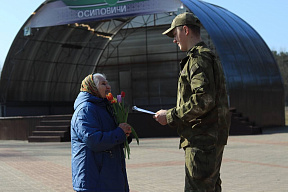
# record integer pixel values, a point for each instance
(201, 115)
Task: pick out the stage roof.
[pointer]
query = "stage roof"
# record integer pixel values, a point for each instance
(64, 42)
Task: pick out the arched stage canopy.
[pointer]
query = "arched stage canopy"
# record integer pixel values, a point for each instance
(65, 40)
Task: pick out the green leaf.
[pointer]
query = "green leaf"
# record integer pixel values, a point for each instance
(135, 135)
(121, 113)
(126, 149)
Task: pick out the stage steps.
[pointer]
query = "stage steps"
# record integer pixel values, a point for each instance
(241, 125)
(52, 128)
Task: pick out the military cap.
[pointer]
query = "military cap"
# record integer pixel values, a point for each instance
(186, 18)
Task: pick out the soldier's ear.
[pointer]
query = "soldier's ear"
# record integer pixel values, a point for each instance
(186, 30)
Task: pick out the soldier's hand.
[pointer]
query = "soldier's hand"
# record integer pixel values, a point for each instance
(160, 116)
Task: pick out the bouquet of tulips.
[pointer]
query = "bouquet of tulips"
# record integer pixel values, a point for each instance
(121, 113)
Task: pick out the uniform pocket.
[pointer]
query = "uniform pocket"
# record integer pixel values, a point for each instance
(200, 163)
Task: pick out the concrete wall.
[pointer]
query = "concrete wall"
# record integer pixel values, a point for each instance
(18, 128)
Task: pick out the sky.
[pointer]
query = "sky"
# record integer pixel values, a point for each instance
(267, 17)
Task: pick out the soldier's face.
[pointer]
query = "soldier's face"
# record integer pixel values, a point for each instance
(180, 39)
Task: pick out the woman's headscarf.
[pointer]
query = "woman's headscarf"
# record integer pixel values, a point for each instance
(88, 85)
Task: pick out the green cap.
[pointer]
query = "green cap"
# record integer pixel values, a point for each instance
(180, 20)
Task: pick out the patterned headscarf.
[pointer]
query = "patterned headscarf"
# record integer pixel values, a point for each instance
(88, 85)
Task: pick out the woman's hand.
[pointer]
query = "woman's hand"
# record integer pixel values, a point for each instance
(126, 128)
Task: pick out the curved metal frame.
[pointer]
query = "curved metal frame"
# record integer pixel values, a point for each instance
(48, 66)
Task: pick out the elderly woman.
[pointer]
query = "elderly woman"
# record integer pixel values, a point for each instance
(98, 162)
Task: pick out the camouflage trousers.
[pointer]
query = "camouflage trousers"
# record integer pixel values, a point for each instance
(202, 168)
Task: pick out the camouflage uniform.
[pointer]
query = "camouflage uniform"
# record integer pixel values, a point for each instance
(202, 118)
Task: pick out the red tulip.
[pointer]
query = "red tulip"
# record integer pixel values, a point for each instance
(109, 97)
(121, 113)
(122, 94)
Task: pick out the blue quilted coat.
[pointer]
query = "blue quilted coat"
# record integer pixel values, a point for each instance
(98, 162)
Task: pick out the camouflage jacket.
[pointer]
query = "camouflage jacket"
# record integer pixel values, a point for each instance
(201, 115)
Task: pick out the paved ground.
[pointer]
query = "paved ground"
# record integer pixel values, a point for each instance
(257, 163)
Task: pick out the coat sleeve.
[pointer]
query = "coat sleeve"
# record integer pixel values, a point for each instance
(199, 98)
(89, 129)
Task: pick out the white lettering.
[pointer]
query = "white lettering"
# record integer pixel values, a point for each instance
(86, 13)
(80, 14)
(123, 9)
(92, 12)
(118, 9)
(102, 11)
(113, 10)
(108, 11)
(97, 11)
